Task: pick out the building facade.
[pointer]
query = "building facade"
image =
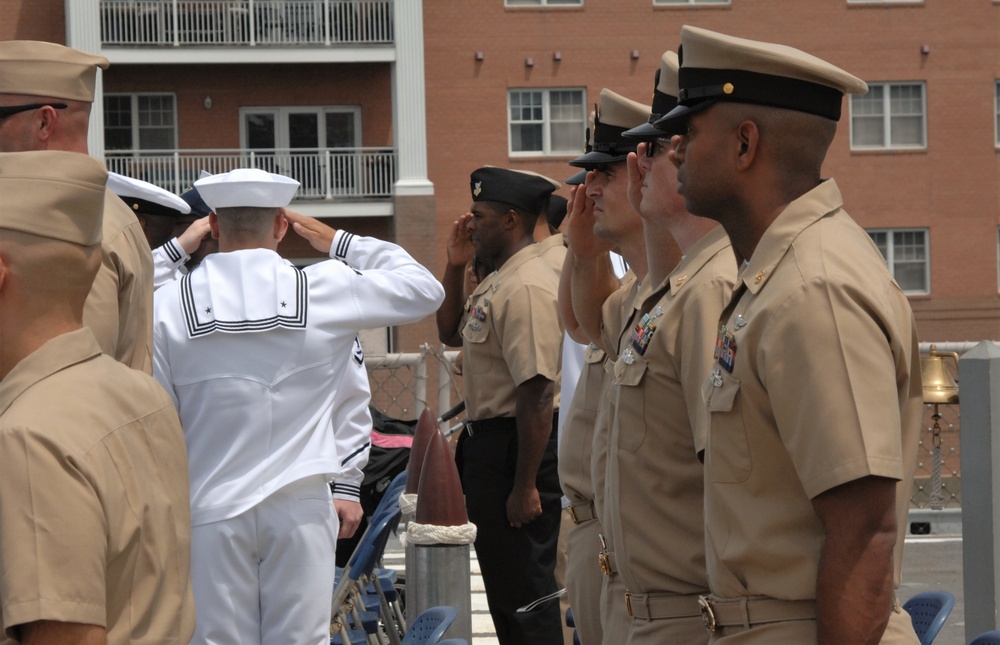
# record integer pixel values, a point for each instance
(381, 108)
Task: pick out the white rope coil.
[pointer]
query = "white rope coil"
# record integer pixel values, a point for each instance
(430, 534)
(408, 504)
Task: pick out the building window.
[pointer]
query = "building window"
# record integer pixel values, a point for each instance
(889, 116)
(907, 254)
(140, 122)
(686, 2)
(547, 122)
(996, 111)
(542, 3)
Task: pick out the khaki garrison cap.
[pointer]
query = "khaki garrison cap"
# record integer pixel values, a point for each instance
(615, 115)
(665, 91)
(58, 195)
(36, 68)
(716, 67)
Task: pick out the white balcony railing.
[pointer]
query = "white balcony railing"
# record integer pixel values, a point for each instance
(330, 173)
(246, 22)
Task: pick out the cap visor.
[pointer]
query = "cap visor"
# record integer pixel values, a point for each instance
(595, 158)
(577, 179)
(644, 131)
(673, 122)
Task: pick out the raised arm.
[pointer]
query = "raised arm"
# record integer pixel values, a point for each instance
(592, 278)
(460, 252)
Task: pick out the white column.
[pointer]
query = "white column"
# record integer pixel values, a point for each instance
(83, 32)
(409, 104)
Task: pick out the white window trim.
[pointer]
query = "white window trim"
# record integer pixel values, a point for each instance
(890, 260)
(134, 108)
(546, 150)
(684, 3)
(887, 118)
(996, 113)
(541, 3)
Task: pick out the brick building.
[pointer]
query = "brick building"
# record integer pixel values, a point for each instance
(383, 107)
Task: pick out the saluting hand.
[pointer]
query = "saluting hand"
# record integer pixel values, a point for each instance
(191, 238)
(582, 240)
(459, 246)
(318, 234)
(635, 177)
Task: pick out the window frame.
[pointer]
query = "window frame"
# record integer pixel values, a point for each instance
(541, 4)
(280, 115)
(546, 122)
(996, 113)
(692, 3)
(890, 260)
(916, 2)
(887, 117)
(136, 126)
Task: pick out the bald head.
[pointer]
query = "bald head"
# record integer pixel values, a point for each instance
(46, 127)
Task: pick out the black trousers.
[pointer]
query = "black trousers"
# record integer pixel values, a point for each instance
(518, 564)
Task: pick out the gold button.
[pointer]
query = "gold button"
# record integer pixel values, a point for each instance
(728, 88)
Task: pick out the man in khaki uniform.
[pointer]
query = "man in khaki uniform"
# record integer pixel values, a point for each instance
(815, 390)
(46, 92)
(511, 342)
(617, 224)
(94, 520)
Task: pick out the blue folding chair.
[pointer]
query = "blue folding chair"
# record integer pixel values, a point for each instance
(987, 638)
(454, 641)
(430, 626)
(928, 610)
(350, 605)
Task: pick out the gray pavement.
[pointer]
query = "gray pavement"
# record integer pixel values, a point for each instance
(934, 563)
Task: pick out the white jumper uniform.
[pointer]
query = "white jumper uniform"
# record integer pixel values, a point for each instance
(262, 362)
(168, 263)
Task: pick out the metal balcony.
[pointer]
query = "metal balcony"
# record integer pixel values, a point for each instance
(257, 23)
(329, 174)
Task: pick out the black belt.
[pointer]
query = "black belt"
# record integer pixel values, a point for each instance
(496, 424)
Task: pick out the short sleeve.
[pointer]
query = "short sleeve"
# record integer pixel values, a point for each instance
(52, 535)
(531, 334)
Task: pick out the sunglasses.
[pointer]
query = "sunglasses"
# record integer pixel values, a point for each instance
(11, 110)
(654, 144)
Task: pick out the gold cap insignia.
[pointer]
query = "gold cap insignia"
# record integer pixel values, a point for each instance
(728, 88)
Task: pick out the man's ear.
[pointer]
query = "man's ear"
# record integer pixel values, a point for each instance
(47, 120)
(280, 226)
(748, 136)
(213, 225)
(511, 219)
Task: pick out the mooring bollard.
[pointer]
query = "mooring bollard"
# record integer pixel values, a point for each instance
(440, 537)
(426, 429)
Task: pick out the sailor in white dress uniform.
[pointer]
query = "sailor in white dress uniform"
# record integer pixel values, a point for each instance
(260, 358)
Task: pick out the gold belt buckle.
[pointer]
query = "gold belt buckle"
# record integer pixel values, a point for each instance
(628, 603)
(707, 615)
(602, 557)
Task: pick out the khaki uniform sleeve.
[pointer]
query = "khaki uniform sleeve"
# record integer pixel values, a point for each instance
(530, 334)
(52, 535)
(831, 378)
(119, 309)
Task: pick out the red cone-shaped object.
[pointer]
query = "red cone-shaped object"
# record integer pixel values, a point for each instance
(440, 501)
(426, 429)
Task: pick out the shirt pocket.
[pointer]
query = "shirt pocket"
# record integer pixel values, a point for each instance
(631, 410)
(728, 460)
(477, 359)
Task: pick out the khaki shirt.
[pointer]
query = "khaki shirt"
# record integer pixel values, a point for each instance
(94, 524)
(553, 250)
(816, 384)
(119, 309)
(511, 333)
(654, 475)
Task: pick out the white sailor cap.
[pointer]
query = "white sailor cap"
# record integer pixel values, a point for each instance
(247, 187)
(145, 198)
